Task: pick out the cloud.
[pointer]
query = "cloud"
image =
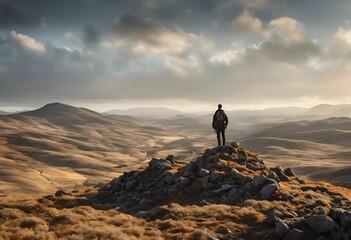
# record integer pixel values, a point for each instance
(259, 4)
(72, 36)
(298, 53)
(161, 49)
(151, 36)
(169, 45)
(286, 29)
(284, 39)
(246, 22)
(26, 43)
(340, 44)
(31, 71)
(91, 37)
(227, 57)
(10, 16)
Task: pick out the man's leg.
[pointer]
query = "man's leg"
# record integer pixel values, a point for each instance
(223, 136)
(218, 137)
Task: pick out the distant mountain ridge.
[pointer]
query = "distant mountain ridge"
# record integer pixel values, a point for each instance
(75, 146)
(146, 111)
(60, 114)
(318, 149)
(341, 110)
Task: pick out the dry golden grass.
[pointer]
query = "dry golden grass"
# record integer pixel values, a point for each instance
(22, 217)
(74, 217)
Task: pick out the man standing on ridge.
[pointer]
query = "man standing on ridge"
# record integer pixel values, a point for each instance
(219, 124)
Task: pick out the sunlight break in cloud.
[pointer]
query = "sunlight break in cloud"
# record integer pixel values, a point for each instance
(27, 43)
(284, 29)
(287, 29)
(341, 43)
(147, 36)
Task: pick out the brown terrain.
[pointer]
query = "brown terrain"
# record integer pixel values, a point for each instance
(60, 146)
(317, 149)
(225, 193)
(71, 173)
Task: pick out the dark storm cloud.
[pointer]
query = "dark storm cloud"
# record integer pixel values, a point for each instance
(91, 36)
(139, 28)
(10, 17)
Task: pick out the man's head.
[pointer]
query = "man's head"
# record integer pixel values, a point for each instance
(220, 106)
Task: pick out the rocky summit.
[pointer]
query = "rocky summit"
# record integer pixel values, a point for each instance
(225, 193)
(268, 202)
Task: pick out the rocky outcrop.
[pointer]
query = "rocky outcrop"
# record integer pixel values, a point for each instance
(233, 176)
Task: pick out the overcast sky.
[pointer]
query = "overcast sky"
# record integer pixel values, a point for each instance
(182, 54)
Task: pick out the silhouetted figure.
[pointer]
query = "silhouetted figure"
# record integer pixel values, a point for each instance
(219, 123)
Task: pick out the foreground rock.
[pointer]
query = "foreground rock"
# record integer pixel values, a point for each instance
(293, 208)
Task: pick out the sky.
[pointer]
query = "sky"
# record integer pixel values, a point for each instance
(184, 54)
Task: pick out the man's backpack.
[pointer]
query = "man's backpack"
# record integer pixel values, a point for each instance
(220, 116)
(219, 119)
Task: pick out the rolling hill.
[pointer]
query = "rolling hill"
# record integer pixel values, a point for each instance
(60, 146)
(153, 112)
(318, 149)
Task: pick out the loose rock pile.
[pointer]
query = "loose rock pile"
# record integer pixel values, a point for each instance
(232, 175)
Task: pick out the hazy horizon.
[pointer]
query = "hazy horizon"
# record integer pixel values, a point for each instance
(195, 108)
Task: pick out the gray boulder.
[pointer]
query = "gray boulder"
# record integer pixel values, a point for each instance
(284, 178)
(203, 172)
(226, 156)
(209, 152)
(216, 177)
(234, 193)
(131, 184)
(224, 231)
(338, 236)
(335, 214)
(248, 186)
(223, 188)
(274, 176)
(175, 189)
(259, 180)
(115, 182)
(214, 158)
(241, 161)
(319, 210)
(280, 172)
(206, 184)
(171, 158)
(345, 220)
(169, 180)
(281, 228)
(156, 164)
(144, 202)
(234, 144)
(320, 223)
(156, 212)
(236, 174)
(268, 190)
(142, 214)
(184, 181)
(289, 172)
(294, 234)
